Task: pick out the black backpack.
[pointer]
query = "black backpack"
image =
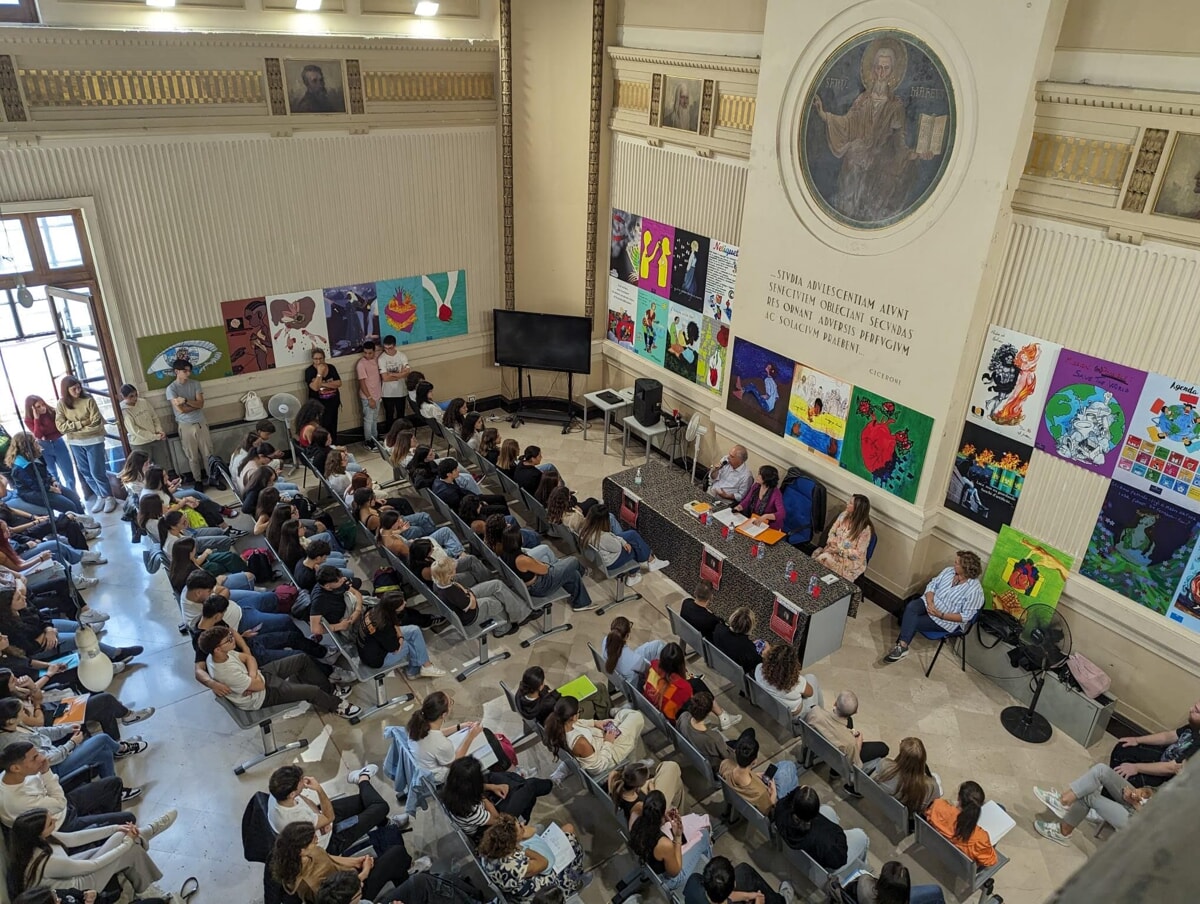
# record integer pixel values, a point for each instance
(258, 563)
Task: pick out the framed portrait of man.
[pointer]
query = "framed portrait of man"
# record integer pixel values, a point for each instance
(877, 129)
(680, 107)
(315, 86)
(1179, 195)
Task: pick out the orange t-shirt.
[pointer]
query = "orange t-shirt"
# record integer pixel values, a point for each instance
(942, 816)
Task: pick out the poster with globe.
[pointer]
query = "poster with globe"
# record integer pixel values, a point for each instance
(1161, 452)
(886, 443)
(1088, 408)
(1140, 546)
(1024, 571)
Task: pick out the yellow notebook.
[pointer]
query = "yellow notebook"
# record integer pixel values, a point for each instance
(581, 688)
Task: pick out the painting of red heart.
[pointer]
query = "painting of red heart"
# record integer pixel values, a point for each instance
(886, 443)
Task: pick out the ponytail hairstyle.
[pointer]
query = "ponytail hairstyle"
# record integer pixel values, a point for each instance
(805, 806)
(530, 453)
(614, 643)
(970, 804)
(894, 886)
(150, 508)
(532, 682)
(629, 778)
(166, 523)
(433, 707)
(555, 727)
(647, 828)
(420, 555)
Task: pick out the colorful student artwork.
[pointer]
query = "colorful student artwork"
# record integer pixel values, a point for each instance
(297, 324)
(1022, 572)
(762, 383)
(684, 327)
(1009, 388)
(987, 477)
(423, 308)
(817, 411)
(622, 313)
(1088, 406)
(655, 257)
(248, 335)
(351, 317)
(721, 282)
(206, 348)
(1185, 609)
(625, 247)
(1161, 452)
(1140, 546)
(710, 363)
(690, 269)
(650, 339)
(886, 443)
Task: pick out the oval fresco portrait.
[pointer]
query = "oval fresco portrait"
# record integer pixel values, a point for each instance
(877, 129)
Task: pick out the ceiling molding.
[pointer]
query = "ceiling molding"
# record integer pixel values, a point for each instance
(685, 60)
(1135, 100)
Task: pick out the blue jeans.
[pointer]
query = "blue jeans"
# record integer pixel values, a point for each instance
(449, 541)
(58, 462)
(60, 551)
(694, 860)
(325, 535)
(63, 501)
(96, 751)
(787, 778)
(66, 640)
(541, 552)
(267, 621)
(412, 652)
(916, 619)
(926, 894)
(287, 488)
(238, 581)
(89, 462)
(209, 538)
(259, 600)
(370, 420)
(529, 537)
(567, 574)
(419, 525)
(468, 483)
(639, 548)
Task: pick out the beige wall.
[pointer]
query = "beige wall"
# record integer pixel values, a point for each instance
(694, 15)
(1145, 26)
(551, 78)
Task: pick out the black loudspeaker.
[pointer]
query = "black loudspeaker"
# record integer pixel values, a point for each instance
(647, 401)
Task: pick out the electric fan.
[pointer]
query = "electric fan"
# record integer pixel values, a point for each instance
(695, 432)
(284, 406)
(1044, 645)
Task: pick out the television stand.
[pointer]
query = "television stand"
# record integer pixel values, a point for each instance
(543, 408)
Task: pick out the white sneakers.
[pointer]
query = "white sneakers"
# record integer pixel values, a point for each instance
(110, 504)
(657, 564)
(1052, 799)
(159, 825)
(92, 617)
(354, 776)
(431, 671)
(92, 558)
(727, 721)
(96, 504)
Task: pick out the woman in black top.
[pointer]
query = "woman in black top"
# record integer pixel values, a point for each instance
(468, 570)
(536, 699)
(804, 825)
(733, 639)
(527, 475)
(324, 386)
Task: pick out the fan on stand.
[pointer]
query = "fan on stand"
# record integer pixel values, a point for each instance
(283, 406)
(1044, 646)
(695, 432)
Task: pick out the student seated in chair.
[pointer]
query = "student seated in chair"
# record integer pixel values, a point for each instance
(846, 545)
(762, 790)
(1100, 789)
(960, 824)
(734, 640)
(616, 549)
(694, 610)
(805, 824)
(907, 777)
(296, 797)
(692, 725)
(950, 603)
(29, 782)
(838, 729)
(893, 887)
(289, 680)
(723, 883)
(779, 673)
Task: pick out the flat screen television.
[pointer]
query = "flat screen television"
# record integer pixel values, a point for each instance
(542, 341)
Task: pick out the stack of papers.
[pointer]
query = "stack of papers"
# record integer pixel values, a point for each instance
(730, 517)
(555, 846)
(994, 820)
(752, 528)
(693, 825)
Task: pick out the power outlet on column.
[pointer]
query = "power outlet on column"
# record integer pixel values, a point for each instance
(471, 400)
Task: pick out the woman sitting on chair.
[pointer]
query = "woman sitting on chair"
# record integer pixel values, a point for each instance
(764, 502)
(518, 863)
(664, 853)
(631, 664)
(476, 800)
(507, 457)
(536, 699)
(669, 687)
(845, 549)
(468, 570)
(779, 673)
(599, 746)
(186, 558)
(472, 429)
(396, 532)
(961, 824)
(455, 413)
(489, 444)
(399, 444)
(630, 785)
(430, 733)
(907, 777)
(300, 864)
(619, 547)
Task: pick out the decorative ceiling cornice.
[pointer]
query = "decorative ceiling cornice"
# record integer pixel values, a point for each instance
(99, 37)
(692, 60)
(1134, 100)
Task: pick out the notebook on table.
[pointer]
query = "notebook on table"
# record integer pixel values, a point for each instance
(760, 532)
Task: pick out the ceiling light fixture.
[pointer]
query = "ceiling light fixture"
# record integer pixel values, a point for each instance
(308, 6)
(426, 8)
(161, 4)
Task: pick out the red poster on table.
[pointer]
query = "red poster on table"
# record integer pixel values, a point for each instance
(629, 509)
(785, 619)
(711, 563)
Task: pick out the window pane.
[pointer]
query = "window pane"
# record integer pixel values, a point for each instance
(8, 329)
(60, 241)
(14, 253)
(10, 2)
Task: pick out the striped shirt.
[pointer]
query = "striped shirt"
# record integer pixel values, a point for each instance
(965, 599)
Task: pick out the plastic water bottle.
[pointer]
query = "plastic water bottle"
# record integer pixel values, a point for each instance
(637, 478)
(762, 550)
(812, 584)
(788, 568)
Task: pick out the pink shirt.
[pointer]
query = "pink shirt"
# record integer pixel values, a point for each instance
(368, 378)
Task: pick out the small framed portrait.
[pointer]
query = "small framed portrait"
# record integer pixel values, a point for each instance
(680, 107)
(1179, 195)
(315, 86)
